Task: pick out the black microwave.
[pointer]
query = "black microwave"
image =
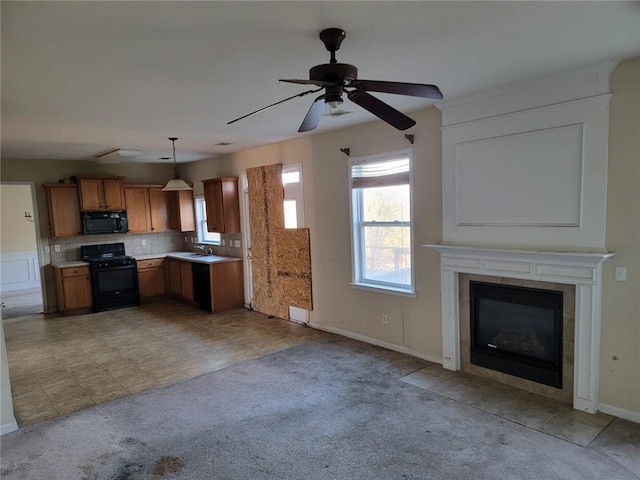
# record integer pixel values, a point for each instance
(104, 222)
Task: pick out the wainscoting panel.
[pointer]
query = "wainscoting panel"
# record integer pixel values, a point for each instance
(19, 271)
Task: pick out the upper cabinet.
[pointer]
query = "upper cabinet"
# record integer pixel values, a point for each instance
(222, 203)
(64, 210)
(101, 193)
(149, 209)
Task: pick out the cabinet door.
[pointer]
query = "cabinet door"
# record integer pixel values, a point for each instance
(64, 211)
(151, 282)
(215, 207)
(91, 194)
(231, 205)
(77, 292)
(113, 194)
(159, 209)
(137, 201)
(183, 213)
(187, 280)
(175, 277)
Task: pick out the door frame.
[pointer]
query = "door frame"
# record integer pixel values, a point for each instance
(39, 247)
(246, 241)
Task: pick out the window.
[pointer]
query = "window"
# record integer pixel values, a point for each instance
(381, 221)
(204, 236)
(293, 196)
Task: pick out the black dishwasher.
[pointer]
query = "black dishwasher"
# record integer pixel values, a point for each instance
(201, 285)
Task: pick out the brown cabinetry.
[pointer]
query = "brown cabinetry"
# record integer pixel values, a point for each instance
(152, 278)
(64, 210)
(103, 193)
(73, 289)
(222, 203)
(149, 209)
(181, 279)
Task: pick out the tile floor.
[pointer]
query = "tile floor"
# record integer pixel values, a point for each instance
(534, 411)
(59, 365)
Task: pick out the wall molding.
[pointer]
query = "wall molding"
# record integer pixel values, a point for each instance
(8, 427)
(21, 271)
(376, 342)
(619, 412)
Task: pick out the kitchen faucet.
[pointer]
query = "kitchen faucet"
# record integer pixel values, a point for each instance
(204, 250)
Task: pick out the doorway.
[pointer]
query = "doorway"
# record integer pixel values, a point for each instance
(20, 282)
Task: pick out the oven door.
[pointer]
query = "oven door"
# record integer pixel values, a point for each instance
(114, 287)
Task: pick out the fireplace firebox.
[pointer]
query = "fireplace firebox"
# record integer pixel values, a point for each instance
(517, 330)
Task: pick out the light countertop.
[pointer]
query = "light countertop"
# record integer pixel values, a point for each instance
(188, 256)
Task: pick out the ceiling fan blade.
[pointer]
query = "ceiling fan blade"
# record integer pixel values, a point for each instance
(400, 88)
(381, 110)
(274, 104)
(319, 83)
(312, 119)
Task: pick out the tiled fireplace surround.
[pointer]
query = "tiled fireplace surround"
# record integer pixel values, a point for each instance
(581, 272)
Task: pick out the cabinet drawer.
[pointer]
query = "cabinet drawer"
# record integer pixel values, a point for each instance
(151, 263)
(74, 271)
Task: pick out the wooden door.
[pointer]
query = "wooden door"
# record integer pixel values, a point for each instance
(159, 209)
(113, 194)
(138, 217)
(186, 276)
(215, 208)
(91, 194)
(64, 211)
(77, 292)
(175, 279)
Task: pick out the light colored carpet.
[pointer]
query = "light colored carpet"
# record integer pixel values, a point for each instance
(326, 409)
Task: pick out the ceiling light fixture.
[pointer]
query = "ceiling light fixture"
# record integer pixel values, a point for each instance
(176, 183)
(116, 156)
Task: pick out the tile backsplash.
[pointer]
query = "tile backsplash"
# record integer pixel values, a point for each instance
(141, 244)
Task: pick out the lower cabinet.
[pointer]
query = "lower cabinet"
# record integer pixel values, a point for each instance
(181, 279)
(73, 289)
(152, 278)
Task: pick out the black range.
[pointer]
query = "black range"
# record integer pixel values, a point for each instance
(114, 276)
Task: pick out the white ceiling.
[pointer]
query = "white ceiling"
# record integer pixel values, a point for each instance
(82, 78)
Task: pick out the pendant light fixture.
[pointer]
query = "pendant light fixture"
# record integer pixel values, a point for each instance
(176, 183)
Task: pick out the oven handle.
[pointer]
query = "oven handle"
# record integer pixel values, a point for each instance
(110, 269)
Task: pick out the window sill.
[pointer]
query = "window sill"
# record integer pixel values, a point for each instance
(383, 289)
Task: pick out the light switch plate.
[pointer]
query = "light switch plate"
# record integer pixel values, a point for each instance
(47, 249)
(56, 248)
(621, 274)
(237, 243)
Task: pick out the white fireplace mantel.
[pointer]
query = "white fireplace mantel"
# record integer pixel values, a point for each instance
(582, 269)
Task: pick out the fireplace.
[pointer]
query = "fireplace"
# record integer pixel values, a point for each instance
(517, 330)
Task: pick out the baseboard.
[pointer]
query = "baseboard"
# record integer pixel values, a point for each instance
(8, 428)
(619, 412)
(375, 341)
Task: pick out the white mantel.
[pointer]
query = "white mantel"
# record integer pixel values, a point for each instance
(582, 269)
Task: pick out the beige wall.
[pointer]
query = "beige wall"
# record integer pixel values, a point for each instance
(620, 348)
(16, 233)
(7, 419)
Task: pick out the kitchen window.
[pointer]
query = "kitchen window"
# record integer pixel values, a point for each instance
(381, 217)
(204, 236)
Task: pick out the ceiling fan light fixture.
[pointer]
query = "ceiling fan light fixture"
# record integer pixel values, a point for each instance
(332, 109)
(176, 183)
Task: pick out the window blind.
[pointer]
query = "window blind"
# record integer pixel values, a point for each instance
(380, 173)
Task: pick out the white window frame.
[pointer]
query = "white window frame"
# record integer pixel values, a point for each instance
(295, 191)
(201, 222)
(357, 247)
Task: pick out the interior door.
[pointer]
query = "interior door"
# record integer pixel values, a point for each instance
(246, 242)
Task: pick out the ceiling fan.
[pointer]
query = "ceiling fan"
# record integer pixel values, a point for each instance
(337, 78)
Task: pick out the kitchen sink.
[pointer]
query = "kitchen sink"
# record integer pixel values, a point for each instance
(200, 255)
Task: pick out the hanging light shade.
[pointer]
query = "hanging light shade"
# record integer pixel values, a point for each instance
(176, 183)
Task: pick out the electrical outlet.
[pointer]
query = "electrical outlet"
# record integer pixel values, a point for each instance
(385, 319)
(237, 243)
(47, 249)
(222, 242)
(186, 239)
(56, 248)
(144, 242)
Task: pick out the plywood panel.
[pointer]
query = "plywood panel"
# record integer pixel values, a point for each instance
(293, 267)
(266, 218)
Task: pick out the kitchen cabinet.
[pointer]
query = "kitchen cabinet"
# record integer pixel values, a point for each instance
(149, 209)
(222, 203)
(227, 285)
(152, 278)
(181, 279)
(101, 193)
(138, 209)
(64, 210)
(73, 289)
(182, 215)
